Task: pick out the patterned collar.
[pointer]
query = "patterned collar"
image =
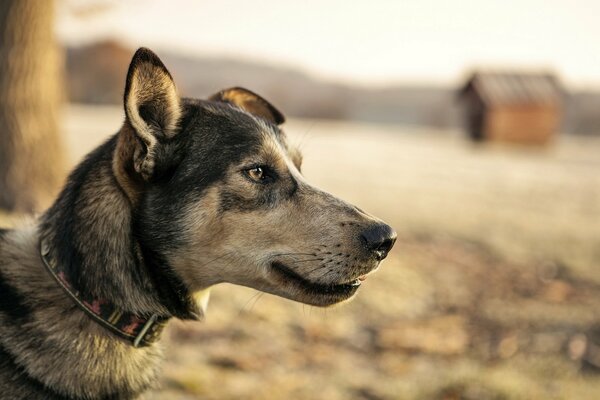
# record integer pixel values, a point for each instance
(140, 331)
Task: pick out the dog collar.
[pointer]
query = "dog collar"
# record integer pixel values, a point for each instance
(140, 331)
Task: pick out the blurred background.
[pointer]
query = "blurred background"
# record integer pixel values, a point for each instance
(471, 127)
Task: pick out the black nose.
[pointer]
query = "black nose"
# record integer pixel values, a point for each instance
(379, 239)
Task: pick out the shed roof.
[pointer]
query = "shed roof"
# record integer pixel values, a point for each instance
(497, 88)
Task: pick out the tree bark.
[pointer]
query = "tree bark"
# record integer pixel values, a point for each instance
(31, 92)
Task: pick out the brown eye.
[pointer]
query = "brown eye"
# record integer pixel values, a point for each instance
(256, 174)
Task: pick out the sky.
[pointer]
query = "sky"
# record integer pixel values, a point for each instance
(367, 42)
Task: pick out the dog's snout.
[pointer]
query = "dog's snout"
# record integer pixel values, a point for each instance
(379, 239)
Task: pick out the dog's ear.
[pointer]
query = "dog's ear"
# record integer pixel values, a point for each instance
(250, 102)
(152, 107)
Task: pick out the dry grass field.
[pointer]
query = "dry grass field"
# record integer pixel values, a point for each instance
(492, 290)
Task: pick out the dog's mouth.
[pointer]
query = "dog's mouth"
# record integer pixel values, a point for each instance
(335, 292)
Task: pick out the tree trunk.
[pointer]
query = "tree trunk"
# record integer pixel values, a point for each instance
(31, 159)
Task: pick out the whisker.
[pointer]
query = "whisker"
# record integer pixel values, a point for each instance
(255, 295)
(303, 140)
(293, 254)
(218, 258)
(312, 259)
(315, 269)
(260, 295)
(328, 272)
(229, 258)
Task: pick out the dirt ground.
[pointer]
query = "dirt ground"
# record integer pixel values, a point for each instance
(492, 290)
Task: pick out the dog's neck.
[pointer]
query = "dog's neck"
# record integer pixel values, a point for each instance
(90, 231)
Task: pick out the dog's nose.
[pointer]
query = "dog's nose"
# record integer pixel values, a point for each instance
(379, 239)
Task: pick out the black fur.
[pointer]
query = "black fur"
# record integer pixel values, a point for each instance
(171, 290)
(65, 223)
(186, 166)
(12, 303)
(208, 144)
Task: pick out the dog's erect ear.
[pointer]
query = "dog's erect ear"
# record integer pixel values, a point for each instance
(152, 106)
(250, 102)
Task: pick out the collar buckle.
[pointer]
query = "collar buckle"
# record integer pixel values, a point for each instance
(140, 336)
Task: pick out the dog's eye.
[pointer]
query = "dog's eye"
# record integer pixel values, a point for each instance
(257, 174)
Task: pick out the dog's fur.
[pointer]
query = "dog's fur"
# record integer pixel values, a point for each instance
(188, 194)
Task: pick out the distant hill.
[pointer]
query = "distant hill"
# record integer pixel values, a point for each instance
(96, 74)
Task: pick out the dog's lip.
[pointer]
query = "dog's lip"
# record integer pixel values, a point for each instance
(345, 288)
(371, 272)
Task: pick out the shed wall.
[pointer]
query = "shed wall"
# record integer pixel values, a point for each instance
(529, 124)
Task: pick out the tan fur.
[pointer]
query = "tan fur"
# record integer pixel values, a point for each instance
(251, 103)
(237, 247)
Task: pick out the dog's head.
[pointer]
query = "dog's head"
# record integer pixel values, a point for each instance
(219, 196)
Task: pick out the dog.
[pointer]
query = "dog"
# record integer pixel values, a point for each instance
(186, 195)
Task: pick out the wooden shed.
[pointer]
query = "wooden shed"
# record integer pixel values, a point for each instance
(512, 107)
